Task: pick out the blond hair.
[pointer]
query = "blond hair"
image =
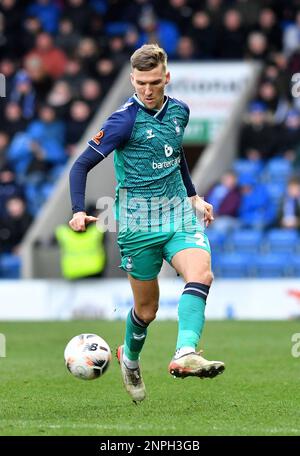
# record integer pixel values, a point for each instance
(147, 57)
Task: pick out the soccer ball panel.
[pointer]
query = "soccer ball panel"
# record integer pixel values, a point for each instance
(87, 356)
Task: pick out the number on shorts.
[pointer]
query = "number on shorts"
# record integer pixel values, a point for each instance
(201, 240)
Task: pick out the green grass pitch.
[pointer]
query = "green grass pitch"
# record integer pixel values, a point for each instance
(258, 394)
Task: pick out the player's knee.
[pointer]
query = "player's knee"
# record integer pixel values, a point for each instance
(208, 277)
(205, 277)
(148, 312)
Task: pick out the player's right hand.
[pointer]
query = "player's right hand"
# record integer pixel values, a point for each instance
(80, 221)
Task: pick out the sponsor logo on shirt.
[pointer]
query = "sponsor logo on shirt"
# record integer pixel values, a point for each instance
(166, 164)
(168, 150)
(97, 138)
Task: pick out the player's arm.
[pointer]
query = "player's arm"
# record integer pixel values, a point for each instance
(205, 209)
(186, 177)
(78, 175)
(115, 132)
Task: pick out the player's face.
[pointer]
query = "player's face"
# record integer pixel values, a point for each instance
(150, 85)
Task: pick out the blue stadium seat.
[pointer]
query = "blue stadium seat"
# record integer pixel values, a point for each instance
(271, 265)
(295, 265)
(215, 256)
(276, 191)
(277, 170)
(232, 265)
(245, 241)
(247, 167)
(10, 266)
(282, 241)
(216, 239)
(117, 28)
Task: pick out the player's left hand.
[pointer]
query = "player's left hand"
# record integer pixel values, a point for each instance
(205, 209)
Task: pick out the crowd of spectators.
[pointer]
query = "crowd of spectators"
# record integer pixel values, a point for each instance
(60, 57)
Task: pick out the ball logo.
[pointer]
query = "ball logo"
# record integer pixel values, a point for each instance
(168, 150)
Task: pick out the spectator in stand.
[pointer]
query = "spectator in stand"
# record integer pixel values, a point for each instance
(31, 29)
(225, 198)
(91, 92)
(177, 11)
(154, 30)
(83, 255)
(11, 15)
(106, 72)
(33, 153)
(284, 77)
(13, 120)
(88, 53)
(185, 49)
(67, 38)
(47, 12)
(60, 98)
(14, 225)
(8, 188)
(46, 127)
(296, 160)
(289, 209)
(78, 120)
(51, 59)
(97, 28)
(4, 141)
(23, 93)
(231, 40)
(117, 50)
(216, 10)
(80, 13)
(268, 94)
(257, 46)
(270, 28)
(257, 135)
(42, 82)
(249, 11)
(271, 74)
(203, 34)
(291, 40)
(289, 135)
(74, 74)
(257, 210)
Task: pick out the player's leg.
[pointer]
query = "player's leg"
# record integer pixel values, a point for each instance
(195, 267)
(189, 254)
(146, 294)
(142, 259)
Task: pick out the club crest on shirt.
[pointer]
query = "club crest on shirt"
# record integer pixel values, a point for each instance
(150, 134)
(98, 136)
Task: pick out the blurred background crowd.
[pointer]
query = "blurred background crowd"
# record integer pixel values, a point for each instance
(59, 59)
